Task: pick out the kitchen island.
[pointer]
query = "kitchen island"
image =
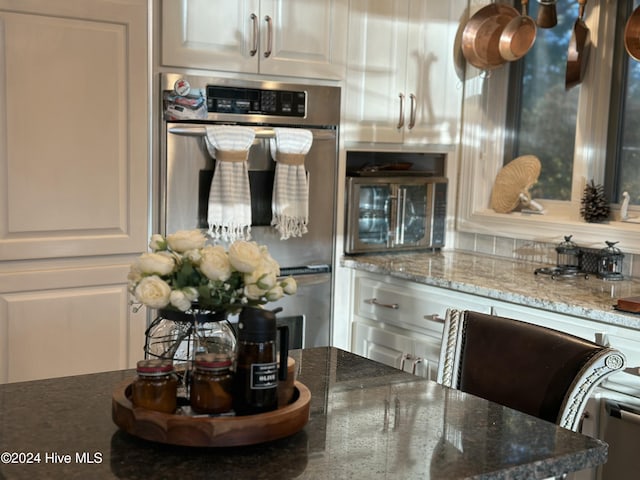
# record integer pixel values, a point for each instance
(367, 420)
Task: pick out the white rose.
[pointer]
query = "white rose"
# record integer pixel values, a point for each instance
(276, 293)
(214, 263)
(253, 292)
(269, 263)
(179, 300)
(245, 256)
(134, 275)
(191, 293)
(153, 292)
(156, 263)
(184, 240)
(194, 256)
(289, 285)
(267, 281)
(157, 242)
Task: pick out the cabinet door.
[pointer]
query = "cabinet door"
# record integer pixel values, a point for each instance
(376, 69)
(430, 72)
(428, 351)
(67, 321)
(381, 345)
(211, 34)
(74, 142)
(403, 48)
(277, 37)
(307, 39)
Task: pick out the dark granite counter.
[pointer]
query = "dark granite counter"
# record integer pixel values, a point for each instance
(367, 421)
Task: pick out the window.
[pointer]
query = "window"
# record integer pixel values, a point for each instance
(523, 108)
(544, 113)
(623, 175)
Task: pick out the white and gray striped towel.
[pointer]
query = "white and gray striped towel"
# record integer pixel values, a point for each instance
(290, 202)
(229, 214)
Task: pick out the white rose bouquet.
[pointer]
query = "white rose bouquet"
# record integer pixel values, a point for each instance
(182, 272)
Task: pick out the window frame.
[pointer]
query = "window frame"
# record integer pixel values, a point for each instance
(482, 144)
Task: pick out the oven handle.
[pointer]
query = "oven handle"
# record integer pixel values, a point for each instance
(261, 132)
(622, 412)
(311, 278)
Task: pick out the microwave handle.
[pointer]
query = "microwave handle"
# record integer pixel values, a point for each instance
(401, 205)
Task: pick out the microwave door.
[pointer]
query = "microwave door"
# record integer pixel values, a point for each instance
(412, 227)
(370, 216)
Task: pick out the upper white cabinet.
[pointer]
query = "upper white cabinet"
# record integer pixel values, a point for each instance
(74, 175)
(276, 37)
(74, 147)
(402, 85)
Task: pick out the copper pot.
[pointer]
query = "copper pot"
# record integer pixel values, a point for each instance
(481, 35)
(518, 36)
(547, 14)
(632, 35)
(578, 52)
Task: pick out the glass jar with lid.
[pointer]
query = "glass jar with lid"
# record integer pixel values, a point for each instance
(212, 384)
(156, 385)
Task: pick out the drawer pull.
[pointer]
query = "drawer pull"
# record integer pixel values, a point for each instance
(416, 361)
(374, 301)
(434, 317)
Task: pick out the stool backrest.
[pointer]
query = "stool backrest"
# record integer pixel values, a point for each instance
(536, 370)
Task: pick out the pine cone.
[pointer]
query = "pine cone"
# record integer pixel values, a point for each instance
(595, 206)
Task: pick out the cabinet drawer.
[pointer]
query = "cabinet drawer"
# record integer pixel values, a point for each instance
(408, 304)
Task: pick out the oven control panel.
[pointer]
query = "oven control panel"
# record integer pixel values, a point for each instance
(251, 101)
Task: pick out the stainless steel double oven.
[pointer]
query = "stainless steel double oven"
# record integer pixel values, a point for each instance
(189, 104)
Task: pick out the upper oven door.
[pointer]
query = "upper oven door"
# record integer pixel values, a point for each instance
(186, 177)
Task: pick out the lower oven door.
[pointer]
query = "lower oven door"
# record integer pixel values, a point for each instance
(620, 428)
(310, 307)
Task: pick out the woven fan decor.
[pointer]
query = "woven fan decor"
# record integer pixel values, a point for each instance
(515, 178)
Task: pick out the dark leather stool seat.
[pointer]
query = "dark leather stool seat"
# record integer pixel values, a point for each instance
(536, 370)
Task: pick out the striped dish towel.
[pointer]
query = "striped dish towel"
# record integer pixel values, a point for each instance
(229, 214)
(290, 202)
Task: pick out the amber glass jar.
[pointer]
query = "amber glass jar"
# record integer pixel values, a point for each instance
(212, 384)
(156, 386)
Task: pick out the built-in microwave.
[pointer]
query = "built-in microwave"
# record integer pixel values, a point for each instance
(392, 213)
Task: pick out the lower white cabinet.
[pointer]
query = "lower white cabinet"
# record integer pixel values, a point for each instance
(399, 323)
(406, 350)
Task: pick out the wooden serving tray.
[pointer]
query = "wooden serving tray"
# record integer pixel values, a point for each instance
(210, 431)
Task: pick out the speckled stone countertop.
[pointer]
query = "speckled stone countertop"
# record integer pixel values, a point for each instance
(368, 421)
(508, 280)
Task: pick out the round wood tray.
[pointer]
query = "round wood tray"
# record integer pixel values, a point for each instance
(210, 431)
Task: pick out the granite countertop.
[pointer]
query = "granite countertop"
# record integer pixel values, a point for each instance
(367, 421)
(507, 280)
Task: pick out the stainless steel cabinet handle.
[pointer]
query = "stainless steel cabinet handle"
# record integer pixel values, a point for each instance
(412, 111)
(267, 19)
(401, 116)
(434, 317)
(254, 21)
(374, 301)
(416, 361)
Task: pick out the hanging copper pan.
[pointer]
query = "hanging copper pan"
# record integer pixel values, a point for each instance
(518, 36)
(481, 35)
(578, 52)
(632, 35)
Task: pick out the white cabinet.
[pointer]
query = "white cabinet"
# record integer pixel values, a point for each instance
(74, 155)
(399, 323)
(402, 85)
(414, 353)
(276, 37)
